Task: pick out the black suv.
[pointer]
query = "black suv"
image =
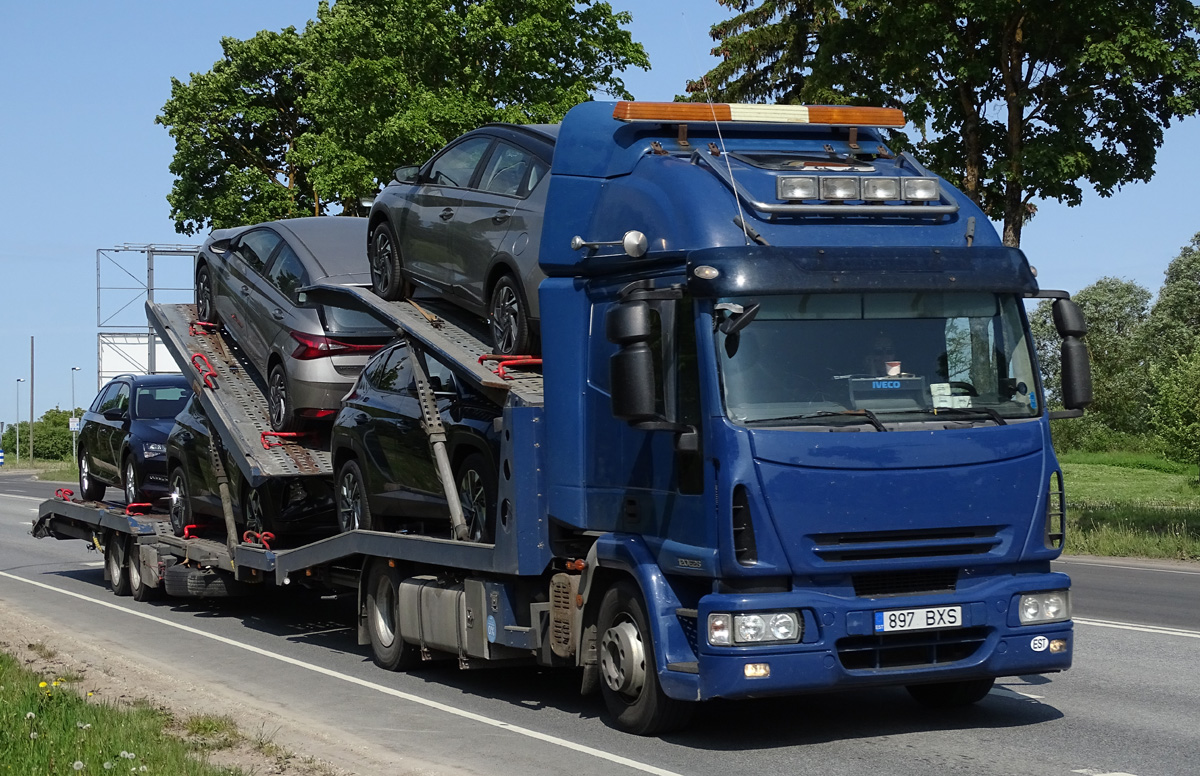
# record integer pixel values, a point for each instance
(123, 436)
(386, 475)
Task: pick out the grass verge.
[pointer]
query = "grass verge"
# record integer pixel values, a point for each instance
(47, 726)
(1131, 505)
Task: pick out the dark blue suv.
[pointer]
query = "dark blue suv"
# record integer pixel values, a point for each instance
(123, 436)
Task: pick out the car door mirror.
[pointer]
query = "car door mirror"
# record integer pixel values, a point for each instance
(115, 414)
(220, 246)
(407, 174)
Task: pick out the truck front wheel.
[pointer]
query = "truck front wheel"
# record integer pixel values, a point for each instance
(388, 649)
(628, 670)
(951, 695)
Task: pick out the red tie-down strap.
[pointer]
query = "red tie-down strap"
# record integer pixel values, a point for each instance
(64, 493)
(189, 531)
(263, 437)
(255, 538)
(204, 328)
(142, 508)
(509, 362)
(200, 361)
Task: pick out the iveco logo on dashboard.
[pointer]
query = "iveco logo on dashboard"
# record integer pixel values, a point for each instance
(885, 384)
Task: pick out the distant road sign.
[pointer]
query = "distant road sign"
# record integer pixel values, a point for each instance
(1, 457)
(73, 424)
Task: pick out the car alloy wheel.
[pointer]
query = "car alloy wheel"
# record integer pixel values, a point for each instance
(131, 483)
(510, 325)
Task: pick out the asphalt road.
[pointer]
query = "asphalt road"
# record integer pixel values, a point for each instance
(1128, 706)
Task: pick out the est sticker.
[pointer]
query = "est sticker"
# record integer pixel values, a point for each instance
(1039, 643)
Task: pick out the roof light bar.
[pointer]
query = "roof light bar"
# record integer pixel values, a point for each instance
(831, 115)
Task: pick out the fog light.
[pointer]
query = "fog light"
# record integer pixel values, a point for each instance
(718, 629)
(921, 189)
(839, 188)
(788, 187)
(1050, 606)
(1058, 645)
(880, 189)
(757, 670)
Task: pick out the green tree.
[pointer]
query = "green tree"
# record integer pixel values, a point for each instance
(1116, 312)
(234, 129)
(1175, 412)
(1014, 101)
(391, 81)
(1174, 328)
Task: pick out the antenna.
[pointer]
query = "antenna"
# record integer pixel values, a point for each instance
(741, 220)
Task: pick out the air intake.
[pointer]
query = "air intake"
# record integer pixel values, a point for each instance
(745, 548)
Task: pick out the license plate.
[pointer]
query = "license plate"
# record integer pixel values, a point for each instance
(918, 619)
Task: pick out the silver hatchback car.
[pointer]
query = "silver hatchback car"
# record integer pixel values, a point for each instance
(249, 279)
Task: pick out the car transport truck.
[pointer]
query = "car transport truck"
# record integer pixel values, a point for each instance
(788, 434)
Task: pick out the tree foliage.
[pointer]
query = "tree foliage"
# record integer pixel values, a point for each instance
(291, 123)
(1174, 328)
(1014, 101)
(1175, 412)
(51, 437)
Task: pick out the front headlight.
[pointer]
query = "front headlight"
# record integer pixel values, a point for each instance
(1051, 606)
(154, 448)
(759, 628)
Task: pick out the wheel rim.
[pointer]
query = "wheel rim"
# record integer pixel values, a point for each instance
(506, 308)
(350, 502)
(203, 296)
(130, 483)
(135, 571)
(85, 480)
(254, 512)
(278, 398)
(474, 503)
(383, 615)
(178, 502)
(623, 659)
(381, 261)
(114, 563)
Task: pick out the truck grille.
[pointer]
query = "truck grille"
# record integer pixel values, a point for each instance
(907, 650)
(905, 582)
(888, 545)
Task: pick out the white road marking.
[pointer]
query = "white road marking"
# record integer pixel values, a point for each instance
(1127, 567)
(93, 563)
(1008, 691)
(1088, 772)
(26, 498)
(1191, 634)
(582, 749)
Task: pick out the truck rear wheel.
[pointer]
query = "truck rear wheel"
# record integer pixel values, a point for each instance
(114, 562)
(951, 695)
(388, 649)
(137, 586)
(629, 677)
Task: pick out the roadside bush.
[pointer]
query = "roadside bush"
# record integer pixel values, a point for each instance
(1090, 434)
(1174, 412)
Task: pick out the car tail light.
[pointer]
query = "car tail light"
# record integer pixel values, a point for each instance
(310, 346)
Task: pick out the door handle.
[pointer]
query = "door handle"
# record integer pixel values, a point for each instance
(500, 217)
(277, 314)
(447, 214)
(245, 290)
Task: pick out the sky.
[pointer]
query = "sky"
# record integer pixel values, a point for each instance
(84, 167)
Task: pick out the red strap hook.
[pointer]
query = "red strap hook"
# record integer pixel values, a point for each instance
(197, 358)
(279, 435)
(64, 493)
(142, 506)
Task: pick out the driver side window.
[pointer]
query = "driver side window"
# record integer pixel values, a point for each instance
(457, 165)
(256, 247)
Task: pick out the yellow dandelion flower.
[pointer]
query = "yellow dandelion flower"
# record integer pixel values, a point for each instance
(42, 684)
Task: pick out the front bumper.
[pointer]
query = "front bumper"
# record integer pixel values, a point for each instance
(840, 649)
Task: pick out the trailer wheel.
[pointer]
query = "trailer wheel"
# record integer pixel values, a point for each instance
(388, 648)
(353, 511)
(477, 493)
(282, 411)
(387, 271)
(509, 317)
(114, 561)
(89, 488)
(137, 586)
(182, 581)
(205, 309)
(630, 678)
(180, 510)
(951, 695)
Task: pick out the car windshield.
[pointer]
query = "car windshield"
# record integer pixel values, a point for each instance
(160, 401)
(841, 359)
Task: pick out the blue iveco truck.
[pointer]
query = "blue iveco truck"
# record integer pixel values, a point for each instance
(789, 434)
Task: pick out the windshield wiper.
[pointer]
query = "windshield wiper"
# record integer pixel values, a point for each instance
(994, 416)
(865, 416)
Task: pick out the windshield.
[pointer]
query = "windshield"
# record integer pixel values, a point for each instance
(834, 359)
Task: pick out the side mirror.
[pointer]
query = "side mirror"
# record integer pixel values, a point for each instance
(631, 370)
(220, 246)
(1076, 365)
(115, 414)
(407, 174)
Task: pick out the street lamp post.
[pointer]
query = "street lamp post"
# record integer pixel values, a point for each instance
(74, 431)
(18, 444)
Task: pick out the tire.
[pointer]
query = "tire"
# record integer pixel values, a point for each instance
(137, 586)
(477, 492)
(114, 562)
(509, 318)
(279, 399)
(180, 510)
(951, 695)
(129, 481)
(629, 678)
(353, 509)
(182, 581)
(387, 272)
(258, 509)
(206, 310)
(388, 648)
(89, 488)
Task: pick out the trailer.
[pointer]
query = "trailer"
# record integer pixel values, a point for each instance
(788, 437)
